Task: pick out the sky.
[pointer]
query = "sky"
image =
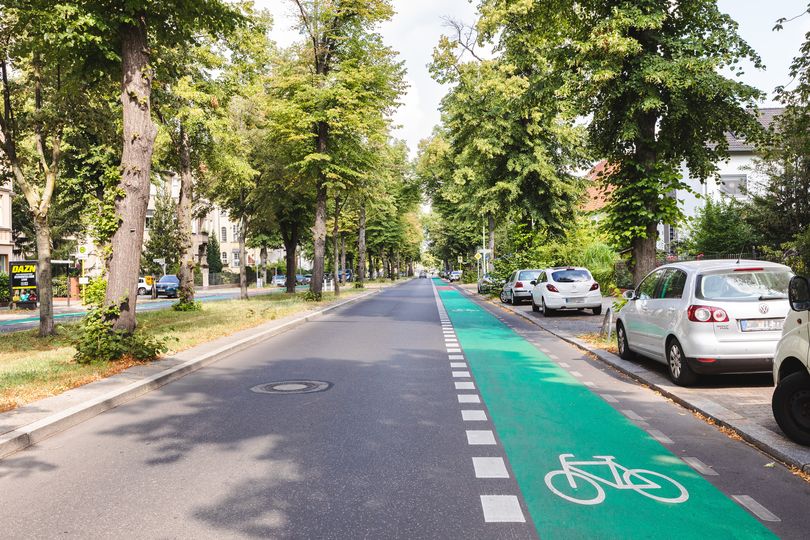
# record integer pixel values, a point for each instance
(418, 24)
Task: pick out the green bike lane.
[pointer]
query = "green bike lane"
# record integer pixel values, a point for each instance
(544, 415)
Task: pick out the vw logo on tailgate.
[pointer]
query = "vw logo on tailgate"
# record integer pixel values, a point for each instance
(763, 308)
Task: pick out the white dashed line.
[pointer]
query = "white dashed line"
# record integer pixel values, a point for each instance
(474, 416)
(465, 386)
(660, 437)
(565, 365)
(480, 437)
(699, 466)
(455, 350)
(456, 357)
(553, 356)
(589, 384)
(461, 374)
(632, 415)
(609, 399)
(490, 467)
(469, 398)
(458, 364)
(757, 509)
(502, 509)
(576, 374)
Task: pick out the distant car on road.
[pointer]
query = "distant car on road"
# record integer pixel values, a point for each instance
(711, 316)
(168, 285)
(455, 275)
(307, 279)
(144, 287)
(791, 366)
(566, 288)
(518, 287)
(279, 280)
(299, 279)
(423, 274)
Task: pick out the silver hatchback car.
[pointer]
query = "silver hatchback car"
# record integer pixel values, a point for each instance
(714, 316)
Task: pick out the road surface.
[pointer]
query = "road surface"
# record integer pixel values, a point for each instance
(437, 418)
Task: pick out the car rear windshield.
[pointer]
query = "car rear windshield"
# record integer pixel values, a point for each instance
(744, 286)
(529, 275)
(571, 276)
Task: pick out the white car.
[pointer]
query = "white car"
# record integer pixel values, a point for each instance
(566, 288)
(455, 275)
(791, 367)
(716, 316)
(518, 287)
(143, 287)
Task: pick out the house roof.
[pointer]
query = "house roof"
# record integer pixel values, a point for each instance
(766, 117)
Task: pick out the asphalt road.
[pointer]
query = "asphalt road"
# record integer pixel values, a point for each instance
(442, 420)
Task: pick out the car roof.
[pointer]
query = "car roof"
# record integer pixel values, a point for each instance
(722, 264)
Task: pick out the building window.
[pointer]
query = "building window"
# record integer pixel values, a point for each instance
(223, 236)
(235, 230)
(733, 184)
(224, 257)
(4, 263)
(235, 263)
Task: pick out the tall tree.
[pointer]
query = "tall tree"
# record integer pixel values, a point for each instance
(650, 76)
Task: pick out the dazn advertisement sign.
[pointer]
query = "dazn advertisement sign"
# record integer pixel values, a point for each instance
(23, 281)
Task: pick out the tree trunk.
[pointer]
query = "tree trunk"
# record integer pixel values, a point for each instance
(644, 248)
(184, 217)
(410, 267)
(491, 255)
(319, 227)
(336, 247)
(644, 252)
(290, 238)
(361, 246)
(343, 258)
(263, 262)
(44, 275)
(243, 285)
(136, 160)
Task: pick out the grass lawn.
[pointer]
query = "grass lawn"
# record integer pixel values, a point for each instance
(32, 368)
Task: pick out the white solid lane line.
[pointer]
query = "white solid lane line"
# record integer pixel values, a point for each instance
(480, 437)
(465, 386)
(473, 416)
(699, 466)
(757, 509)
(490, 467)
(469, 398)
(502, 509)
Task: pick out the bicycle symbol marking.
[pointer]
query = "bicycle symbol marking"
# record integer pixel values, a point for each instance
(579, 482)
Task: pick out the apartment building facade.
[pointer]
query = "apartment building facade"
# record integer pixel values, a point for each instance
(6, 239)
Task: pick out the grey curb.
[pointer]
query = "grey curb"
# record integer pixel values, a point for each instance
(35, 432)
(773, 444)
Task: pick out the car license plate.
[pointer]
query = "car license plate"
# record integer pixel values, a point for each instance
(574, 300)
(762, 325)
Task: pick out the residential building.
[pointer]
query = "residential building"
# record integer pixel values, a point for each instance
(6, 239)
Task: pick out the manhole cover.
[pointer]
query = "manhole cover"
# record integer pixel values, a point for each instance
(292, 387)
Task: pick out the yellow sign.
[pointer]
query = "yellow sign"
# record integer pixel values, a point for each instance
(23, 268)
(149, 280)
(477, 256)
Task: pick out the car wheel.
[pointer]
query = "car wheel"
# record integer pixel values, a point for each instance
(547, 311)
(624, 345)
(679, 370)
(791, 406)
(535, 307)
(512, 298)
(503, 297)
(141, 291)
(597, 310)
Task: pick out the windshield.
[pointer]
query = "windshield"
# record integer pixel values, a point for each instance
(529, 275)
(745, 286)
(571, 276)
(169, 279)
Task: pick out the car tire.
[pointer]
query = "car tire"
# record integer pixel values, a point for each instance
(597, 310)
(624, 345)
(678, 365)
(791, 406)
(503, 297)
(512, 298)
(535, 307)
(547, 311)
(141, 291)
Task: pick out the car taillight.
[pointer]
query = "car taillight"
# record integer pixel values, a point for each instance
(595, 286)
(552, 288)
(519, 284)
(707, 314)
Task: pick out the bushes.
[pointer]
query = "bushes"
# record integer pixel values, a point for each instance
(5, 293)
(94, 292)
(97, 341)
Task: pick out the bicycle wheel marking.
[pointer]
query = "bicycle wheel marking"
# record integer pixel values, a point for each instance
(541, 413)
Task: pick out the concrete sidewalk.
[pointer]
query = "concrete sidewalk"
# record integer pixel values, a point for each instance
(27, 425)
(744, 410)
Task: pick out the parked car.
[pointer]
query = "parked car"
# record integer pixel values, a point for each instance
(144, 287)
(423, 274)
(168, 286)
(518, 287)
(299, 279)
(791, 366)
(280, 280)
(566, 288)
(307, 279)
(706, 317)
(455, 275)
(486, 284)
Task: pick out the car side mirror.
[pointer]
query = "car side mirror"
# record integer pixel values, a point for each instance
(533, 282)
(629, 295)
(799, 294)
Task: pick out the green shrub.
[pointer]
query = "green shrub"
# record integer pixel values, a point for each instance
(187, 306)
(5, 293)
(310, 296)
(358, 285)
(97, 341)
(94, 292)
(60, 286)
